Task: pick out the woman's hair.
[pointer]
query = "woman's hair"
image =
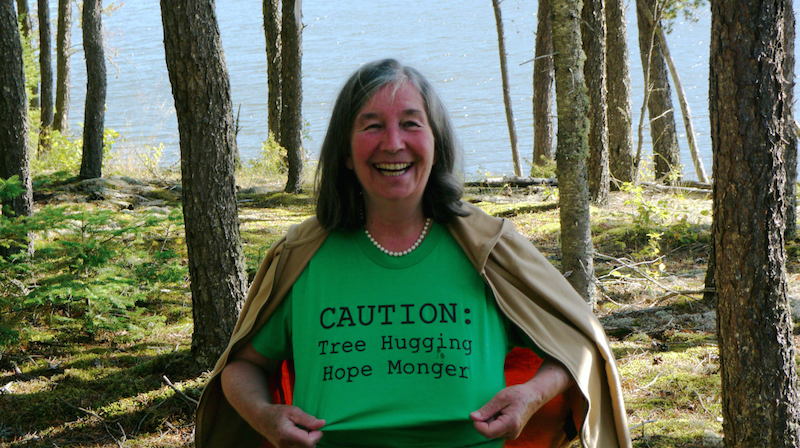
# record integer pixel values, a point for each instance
(339, 200)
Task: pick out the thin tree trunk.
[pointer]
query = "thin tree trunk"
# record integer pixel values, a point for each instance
(646, 61)
(94, 115)
(791, 136)
(512, 130)
(572, 148)
(292, 92)
(666, 154)
(208, 151)
(46, 71)
(63, 39)
(748, 98)
(272, 32)
(593, 33)
(544, 130)
(24, 17)
(687, 113)
(14, 152)
(620, 106)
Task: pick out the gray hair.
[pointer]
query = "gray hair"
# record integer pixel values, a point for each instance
(339, 201)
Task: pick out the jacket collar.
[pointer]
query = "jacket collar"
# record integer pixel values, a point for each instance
(478, 234)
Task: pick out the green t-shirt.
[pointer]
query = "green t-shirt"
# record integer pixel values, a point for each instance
(391, 351)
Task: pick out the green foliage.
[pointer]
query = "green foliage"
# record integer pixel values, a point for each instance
(688, 9)
(93, 270)
(270, 158)
(659, 221)
(30, 61)
(10, 188)
(66, 152)
(546, 168)
(648, 213)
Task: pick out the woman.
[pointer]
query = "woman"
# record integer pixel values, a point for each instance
(398, 304)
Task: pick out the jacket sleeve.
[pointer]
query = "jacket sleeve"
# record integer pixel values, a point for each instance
(218, 424)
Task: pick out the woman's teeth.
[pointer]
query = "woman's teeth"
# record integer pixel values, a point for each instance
(392, 169)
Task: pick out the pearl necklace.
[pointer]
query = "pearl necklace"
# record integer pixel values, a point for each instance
(407, 251)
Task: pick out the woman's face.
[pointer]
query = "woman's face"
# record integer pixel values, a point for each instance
(392, 147)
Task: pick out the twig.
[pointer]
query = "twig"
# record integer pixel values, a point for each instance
(642, 424)
(138, 427)
(703, 404)
(651, 382)
(182, 395)
(102, 420)
(642, 273)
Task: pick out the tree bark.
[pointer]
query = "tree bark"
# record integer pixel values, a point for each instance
(202, 94)
(666, 153)
(63, 39)
(748, 98)
(272, 32)
(512, 130)
(593, 32)
(791, 136)
(24, 18)
(620, 106)
(14, 152)
(687, 113)
(94, 112)
(292, 92)
(572, 148)
(46, 73)
(544, 130)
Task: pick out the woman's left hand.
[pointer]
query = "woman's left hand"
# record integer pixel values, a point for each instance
(507, 413)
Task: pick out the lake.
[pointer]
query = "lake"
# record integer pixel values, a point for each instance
(452, 42)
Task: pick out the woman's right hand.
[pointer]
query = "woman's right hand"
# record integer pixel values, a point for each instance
(244, 382)
(288, 426)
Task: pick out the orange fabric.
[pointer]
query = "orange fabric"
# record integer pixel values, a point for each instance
(545, 429)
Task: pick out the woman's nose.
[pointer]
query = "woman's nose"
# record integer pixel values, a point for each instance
(392, 139)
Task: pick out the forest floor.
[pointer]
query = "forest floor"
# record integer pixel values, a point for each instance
(64, 382)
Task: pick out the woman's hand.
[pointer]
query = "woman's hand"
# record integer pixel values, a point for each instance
(507, 413)
(244, 382)
(288, 426)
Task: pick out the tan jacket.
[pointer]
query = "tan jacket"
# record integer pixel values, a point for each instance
(528, 289)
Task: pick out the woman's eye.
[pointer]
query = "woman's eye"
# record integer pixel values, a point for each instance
(411, 124)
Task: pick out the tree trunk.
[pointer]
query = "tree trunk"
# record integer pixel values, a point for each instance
(46, 72)
(272, 32)
(24, 18)
(791, 136)
(620, 106)
(748, 98)
(63, 39)
(666, 154)
(687, 114)
(14, 153)
(593, 32)
(202, 93)
(292, 92)
(544, 130)
(572, 148)
(94, 112)
(512, 130)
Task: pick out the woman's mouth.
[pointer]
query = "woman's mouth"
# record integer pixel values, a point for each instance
(393, 169)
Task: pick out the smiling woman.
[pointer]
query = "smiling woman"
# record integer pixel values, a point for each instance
(392, 156)
(442, 293)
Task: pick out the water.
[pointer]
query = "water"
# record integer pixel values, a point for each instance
(452, 42)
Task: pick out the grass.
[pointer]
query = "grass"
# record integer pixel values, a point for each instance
(64, 386)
